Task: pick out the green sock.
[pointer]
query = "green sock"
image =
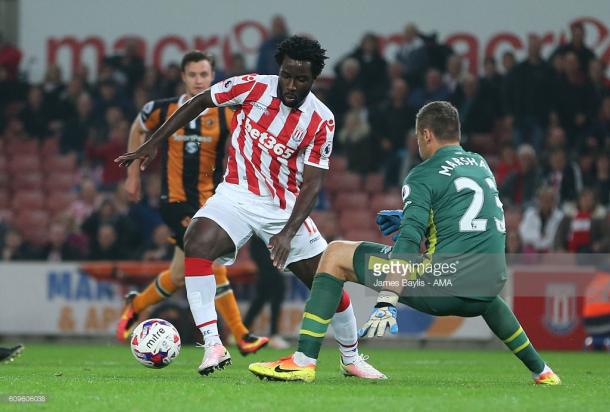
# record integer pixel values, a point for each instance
(323, 300)
(503, 323)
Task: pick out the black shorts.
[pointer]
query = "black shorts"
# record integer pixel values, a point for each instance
(177, 215)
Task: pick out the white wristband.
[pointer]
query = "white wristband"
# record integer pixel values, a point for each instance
(385, 296)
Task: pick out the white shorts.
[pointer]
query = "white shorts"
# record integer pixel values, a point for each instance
(242, 213)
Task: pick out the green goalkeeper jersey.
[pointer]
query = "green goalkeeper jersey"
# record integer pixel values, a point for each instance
(452, 201)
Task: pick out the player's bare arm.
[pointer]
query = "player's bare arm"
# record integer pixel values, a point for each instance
(308, 196)
(187, 112)
(137, 136)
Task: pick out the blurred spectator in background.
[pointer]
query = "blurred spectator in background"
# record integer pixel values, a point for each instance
(237, 68)
(79, 128)
(520, 187)
(52, 87)
(433, 89)
(15, 248)
(346, 80)
(266, 63)
(412, 55)
(529, 96)
(172, 79)
(106, 245)
(58, 249)
(107, 97)
(409, 158)
(36, 115)
(355, 136)
(125, 233)
(538, 228)
(576, 46)
(475, 106)
(585, 169)
(269, 288)
(492, 83)
(130, 63)
(373, 68)
(599, 81)
(454, 73)
(508, 61)
(581, 230)
(105, 153)
(601, 126)
(561, 176)
(574, 100)
(145, 214)
(86, 203)
(513, 243)
(157, 246)
(602, 180)
(67, 100)
(391, 122)
(507, 164)
(10, 57)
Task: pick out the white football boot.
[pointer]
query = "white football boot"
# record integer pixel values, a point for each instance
(214, 357)
(360, 368)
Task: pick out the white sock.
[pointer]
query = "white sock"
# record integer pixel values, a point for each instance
(200, 292)
(303, 360)
(346, 334)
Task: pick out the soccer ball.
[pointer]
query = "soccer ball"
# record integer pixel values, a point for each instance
(155, 343)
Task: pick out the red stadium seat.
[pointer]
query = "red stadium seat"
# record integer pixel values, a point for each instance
(4, 180)
(32, 218)
(30, 199)
(19, 148)
(386, 201)
(5, 199)
(50, 147)
(343, 182)
(35, 235)
(60, 182)
(356, 219)
(370, 235)
(338, 164)
(373, 183)
(27, 181)
(3, 163)
(24, 164)
(65, 163)
(6, 215)
(348, 200)
(58, 202)
(327, 224)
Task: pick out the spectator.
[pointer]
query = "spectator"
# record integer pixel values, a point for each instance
(52, 87)
(561, 176)
(492, 84)
(58, 249)
(266, 63)
(158, 247)
(599, 81)
(130, 63)
(10, 57)
(14, 248)
(355, 136)
(145, 214)
(529, 96)
(373, 69)
(412, 55)
(601, 126)
(408, 160)
(585, 169)
(238, 66)
(79, 128)
(507, 165)
(392, 120)
(581, 230)
(508, 61)
(125, 232)
(172, 78)
(347, 80)
(85, 204)
(106, 245)
(575, 100)
(476, 108)
(434, 89)
(107, 152)
(68, 100)
(513, 243)
(520, 187)
(36, 114)
(538, 228)
(576, 46)
(454, 74)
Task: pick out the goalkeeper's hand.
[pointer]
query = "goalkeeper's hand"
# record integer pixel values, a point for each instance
(382, 317)
(389, 221)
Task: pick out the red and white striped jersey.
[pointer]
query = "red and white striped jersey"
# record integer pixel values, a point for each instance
(271, 142)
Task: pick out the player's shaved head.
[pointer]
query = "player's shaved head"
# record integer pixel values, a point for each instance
(442, 119)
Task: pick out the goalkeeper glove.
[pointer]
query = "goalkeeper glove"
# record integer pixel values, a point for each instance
(382, 317)
(389, 221)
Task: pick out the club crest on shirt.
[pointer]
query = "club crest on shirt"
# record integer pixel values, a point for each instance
(298, 135)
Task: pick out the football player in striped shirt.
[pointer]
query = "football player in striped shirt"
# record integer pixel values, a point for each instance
(280, 149)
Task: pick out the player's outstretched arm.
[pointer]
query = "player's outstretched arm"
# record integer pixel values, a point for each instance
(279, 244)
(187, 112)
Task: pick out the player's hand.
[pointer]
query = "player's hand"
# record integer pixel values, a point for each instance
(279, 247)
(382, 317)
(389, 221)
(146, 153)
(132, 187)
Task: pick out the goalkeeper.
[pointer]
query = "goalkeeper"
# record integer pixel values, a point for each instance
(451, 199)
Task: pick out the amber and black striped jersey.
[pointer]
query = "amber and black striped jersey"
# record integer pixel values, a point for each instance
(192, 158)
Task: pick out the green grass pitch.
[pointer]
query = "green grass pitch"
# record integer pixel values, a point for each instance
(108, 378)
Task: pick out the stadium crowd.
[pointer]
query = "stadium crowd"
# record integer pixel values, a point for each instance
(542, 123)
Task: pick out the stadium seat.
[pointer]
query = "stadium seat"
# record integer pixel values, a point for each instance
(370, 235)
(58, 201)
(326, 222)
(20, 148)
(24, 164)
(28, 199)
(373, 183)
(6, 215)
(35, 235)
(386, 201)
(65, 163)
(60, 182)
(32, 218)
(3, 164)
(343, 181)
(27, 181)
(338, 164)
(4, 180)
(356, 219)
(350, 200)
(50, 147)
(5, 199)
